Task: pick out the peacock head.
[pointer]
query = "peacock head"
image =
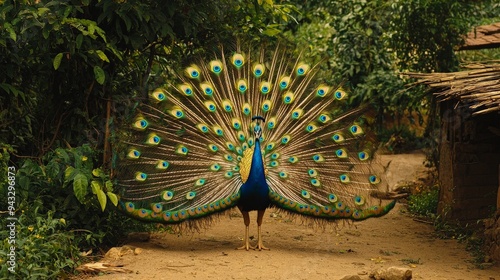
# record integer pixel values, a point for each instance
(257, 129)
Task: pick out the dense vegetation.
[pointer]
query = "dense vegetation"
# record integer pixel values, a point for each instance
(70, 71)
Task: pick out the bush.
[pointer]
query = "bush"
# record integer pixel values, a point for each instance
(62, 207)
(424, 203)
(67, 185)
(44, 250)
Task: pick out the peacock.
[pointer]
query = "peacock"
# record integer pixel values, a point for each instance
(249, 129)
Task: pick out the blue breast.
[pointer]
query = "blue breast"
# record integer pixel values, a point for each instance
(254, 193)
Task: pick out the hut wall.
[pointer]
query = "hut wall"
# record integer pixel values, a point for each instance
(468, 167)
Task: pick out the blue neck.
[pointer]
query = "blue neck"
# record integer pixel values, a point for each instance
(257, 174)
(255, 191)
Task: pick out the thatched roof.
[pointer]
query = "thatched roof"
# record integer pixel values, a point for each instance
(483, 37)
(478, 86)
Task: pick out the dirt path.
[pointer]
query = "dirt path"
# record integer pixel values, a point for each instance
(299, 252)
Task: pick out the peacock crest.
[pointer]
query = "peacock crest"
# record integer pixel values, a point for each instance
(251, 131)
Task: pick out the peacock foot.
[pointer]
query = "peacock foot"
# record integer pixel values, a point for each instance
(245, 246)
(261, 246)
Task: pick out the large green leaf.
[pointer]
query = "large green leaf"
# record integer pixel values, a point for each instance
(95, 185)
(68, 173)
(97, 172)
(10, 29)
(99, 75)
(57, 61)
(101, 196)
(80, 186)
(102, 55)
(113, 198)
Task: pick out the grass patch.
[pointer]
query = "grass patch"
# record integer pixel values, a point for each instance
(425, 203)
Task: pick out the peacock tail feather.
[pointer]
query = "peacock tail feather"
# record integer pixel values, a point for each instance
(189, 148)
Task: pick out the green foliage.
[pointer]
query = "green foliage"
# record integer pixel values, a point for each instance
(65, 59)
(356, 37)
(264, 17)
(47, 74)
(44, 248)
(424, 203)
(367, 43)
(427, 32)
(68, 185)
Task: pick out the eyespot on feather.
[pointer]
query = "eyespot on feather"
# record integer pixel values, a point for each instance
(356, 130)
(153, 139)
(215, 167)
(162, 164)
(200, 182)
(241, 85)
(190, 195)
(302, 69)
(158, 95)
(324, 118)
(285, 139)
(216, 66)
(133, 154)
(193, 72)
(140, 124)
(340, 94)
(297, 113)
(265, 87)
(374, 179)
(288, 97)
(212, 148)
(271, 123)
(203, 127)
(363, 155)
(359, 200)
(312, 173)
(293, 159)
(186, 89)
(236, 123)
(207, 88)
(258, 70)
(338, 138)
(318, 158)
(238, 60)
(344, 178)
(322, 90)
(141, 176)
(227, 105)
(266, 106)
(181, 150)
(305, 194)
(311, 127)
(217, 130)
(246, 109)
(284, 82)
(210, 105)
(177, 112)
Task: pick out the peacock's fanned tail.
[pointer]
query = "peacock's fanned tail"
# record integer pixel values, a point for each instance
(189, 148)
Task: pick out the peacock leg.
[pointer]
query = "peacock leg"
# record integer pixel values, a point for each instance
(246, 241)
(260, 216)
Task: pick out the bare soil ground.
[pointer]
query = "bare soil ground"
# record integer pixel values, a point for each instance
(300, 252)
